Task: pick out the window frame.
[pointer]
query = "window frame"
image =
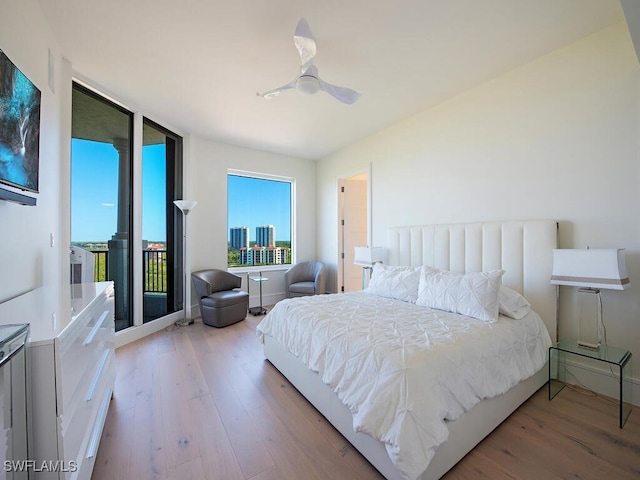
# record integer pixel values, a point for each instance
(173, 217)
(265, 176)
(129, 305)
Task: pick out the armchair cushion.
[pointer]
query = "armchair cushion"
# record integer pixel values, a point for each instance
(223, 299)
(303, 288)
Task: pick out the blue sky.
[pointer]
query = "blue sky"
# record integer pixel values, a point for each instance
(94, 196)
(94, 192)
(256, 202)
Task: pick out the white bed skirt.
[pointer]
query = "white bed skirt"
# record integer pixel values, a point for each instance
(464, 433)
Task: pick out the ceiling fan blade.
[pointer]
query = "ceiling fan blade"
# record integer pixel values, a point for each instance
(305, 43)
(345, 95)
(277, 91)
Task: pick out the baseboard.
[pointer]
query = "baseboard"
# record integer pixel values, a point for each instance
(131, 334)
(599, 380)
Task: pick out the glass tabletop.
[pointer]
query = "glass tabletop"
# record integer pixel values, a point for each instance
(605, 353)
(258, 279)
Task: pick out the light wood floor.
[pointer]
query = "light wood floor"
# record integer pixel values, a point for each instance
(203, 403)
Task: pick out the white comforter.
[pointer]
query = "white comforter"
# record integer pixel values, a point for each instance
(403, 369)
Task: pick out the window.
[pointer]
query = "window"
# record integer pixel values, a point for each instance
(259, 217)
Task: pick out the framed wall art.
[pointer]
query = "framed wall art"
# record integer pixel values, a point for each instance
(19, 128)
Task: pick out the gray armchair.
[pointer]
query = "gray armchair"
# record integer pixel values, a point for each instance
(305, 278)
(220, 304)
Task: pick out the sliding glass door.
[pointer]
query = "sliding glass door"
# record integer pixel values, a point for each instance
(161, 236)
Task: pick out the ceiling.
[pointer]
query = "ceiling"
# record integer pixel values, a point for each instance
(196, 65)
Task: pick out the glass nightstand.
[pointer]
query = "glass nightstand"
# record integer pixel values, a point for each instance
(260, 279)
(616, 358)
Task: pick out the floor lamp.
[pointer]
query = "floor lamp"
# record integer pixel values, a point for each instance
(185, 207)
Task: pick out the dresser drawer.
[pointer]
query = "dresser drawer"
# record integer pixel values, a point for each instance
(81, 349)
(86, 457)
(77, 426)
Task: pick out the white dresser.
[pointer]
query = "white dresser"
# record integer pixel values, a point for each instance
(71, 354)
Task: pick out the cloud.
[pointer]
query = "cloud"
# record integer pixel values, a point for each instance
(108, 204)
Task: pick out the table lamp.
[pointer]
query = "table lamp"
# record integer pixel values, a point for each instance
(592, 269)
(366, 257)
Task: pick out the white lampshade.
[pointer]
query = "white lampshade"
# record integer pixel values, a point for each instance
(367, 256)
(602, 268)
(185, 205)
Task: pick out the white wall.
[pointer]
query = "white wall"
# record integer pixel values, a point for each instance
(558, 138)
(27, 259)
(206, 173)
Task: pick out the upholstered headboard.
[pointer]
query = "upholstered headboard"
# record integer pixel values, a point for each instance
(522, 248)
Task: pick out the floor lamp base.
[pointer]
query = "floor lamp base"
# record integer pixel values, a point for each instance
(185, 322)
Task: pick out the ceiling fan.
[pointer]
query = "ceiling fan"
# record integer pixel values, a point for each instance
(308, 81)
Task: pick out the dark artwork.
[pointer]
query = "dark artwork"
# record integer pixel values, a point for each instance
(19, 127)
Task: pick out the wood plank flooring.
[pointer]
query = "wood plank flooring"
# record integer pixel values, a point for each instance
(200, 403)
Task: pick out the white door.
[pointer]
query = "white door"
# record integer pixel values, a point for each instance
(352, 229)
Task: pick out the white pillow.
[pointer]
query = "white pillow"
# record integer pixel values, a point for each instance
(474, 294)
(400, 283)
(512, 304)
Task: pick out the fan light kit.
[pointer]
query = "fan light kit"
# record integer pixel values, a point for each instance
(308, 81)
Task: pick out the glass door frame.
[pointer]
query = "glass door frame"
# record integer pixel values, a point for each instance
(131, 234)
(174, 178)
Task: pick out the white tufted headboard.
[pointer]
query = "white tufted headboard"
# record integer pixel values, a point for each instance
(522, 248)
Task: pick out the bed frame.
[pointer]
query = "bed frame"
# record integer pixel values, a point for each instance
(523, 250)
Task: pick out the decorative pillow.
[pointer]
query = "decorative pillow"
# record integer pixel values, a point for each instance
(400, 283)
(512, 304)
(474, 294)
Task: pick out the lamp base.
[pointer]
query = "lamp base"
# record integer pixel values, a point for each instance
(590, 318)
(185, 322)
(590, 346)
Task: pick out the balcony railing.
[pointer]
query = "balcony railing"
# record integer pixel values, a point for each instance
(101, 265)
(154, 269)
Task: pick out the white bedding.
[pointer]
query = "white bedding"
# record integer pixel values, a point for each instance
(403, 369)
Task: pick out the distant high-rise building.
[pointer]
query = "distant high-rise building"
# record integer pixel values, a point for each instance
(266, 236)
(239, 237)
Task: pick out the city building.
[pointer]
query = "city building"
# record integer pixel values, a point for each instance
(258, 255)
(266, 236)
(239, 237)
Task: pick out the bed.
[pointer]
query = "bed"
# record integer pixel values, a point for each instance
(396, 439)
